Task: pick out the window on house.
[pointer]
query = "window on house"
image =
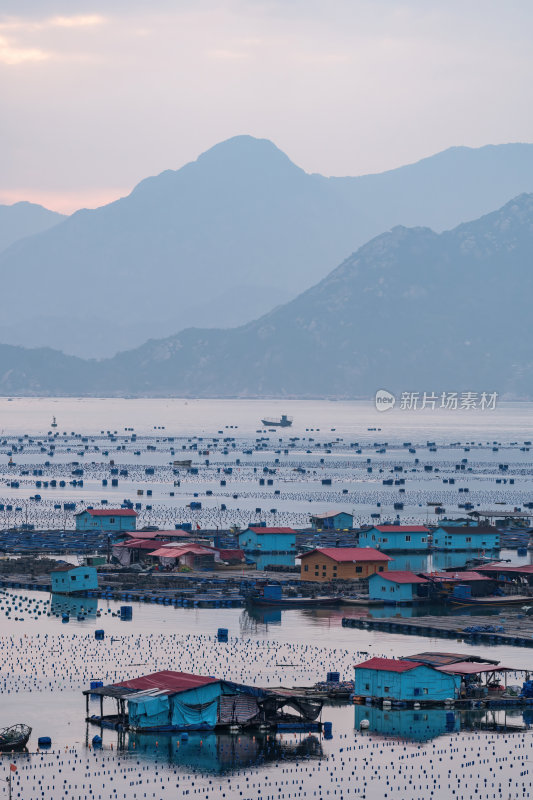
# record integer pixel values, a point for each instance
(367, 687)
(359, 569)
(468, 538)
(385, 540)
(386, 688)
(407, 538)
(373, 537)
(380, 569)
(95, 524)
(391, 588)
(86, 577)
(383, 588)
(72, 577)
(112, 520)
(424, 539)
(424, 691)
(316, 566)
(306, 568)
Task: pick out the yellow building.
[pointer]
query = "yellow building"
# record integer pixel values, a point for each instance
(342, 563)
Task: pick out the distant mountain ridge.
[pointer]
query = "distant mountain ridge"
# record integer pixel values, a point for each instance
(24, 219)
(226, 238)
(412, 310)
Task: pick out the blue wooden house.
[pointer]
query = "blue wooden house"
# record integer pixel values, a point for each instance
(113, 520)
(257, 539)
(332, 521)
(397, 586)
(388, 679)
(72, 580)
(396, 538)
(466, 537)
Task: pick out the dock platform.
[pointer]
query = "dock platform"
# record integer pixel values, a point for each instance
(515, 630)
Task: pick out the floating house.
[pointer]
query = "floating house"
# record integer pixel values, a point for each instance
(404, 681)
(177, 701)
(73, 580)
(466, 538)
(332, 521)
(258, 539)
(106, 519)
(342, 563)
(398, 586)
(396, 538)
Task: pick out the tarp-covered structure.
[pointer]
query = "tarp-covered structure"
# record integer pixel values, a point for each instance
(173, 701)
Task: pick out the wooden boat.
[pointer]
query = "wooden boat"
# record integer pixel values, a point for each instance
(495, 600)
(14, 737)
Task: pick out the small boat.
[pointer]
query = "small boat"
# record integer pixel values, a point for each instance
(283, 422)
(491, 600)
(14, 737)
(54, 423)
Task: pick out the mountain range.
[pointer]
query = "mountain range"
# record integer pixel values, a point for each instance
(411, 310)
(225, 239)
(25, 219)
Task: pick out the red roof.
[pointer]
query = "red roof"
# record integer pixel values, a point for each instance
(456, 576)
(109, 512)
(401, 576)
(525, 569)
(389, 665)
(401, 528)
(175, 551)
(257, 529)
(167, 681)
(139, 544)
(343, 554)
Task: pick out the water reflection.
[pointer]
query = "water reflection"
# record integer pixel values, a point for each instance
(221, 753)
(73, 606)
(424, 724)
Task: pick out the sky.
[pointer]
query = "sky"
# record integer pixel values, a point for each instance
(98, 94)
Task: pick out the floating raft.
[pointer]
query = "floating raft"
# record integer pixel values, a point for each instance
(515, 631)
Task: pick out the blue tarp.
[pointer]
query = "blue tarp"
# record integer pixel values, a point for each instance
(149, 712)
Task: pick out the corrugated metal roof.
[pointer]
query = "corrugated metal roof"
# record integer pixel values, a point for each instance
(171, 551)
(389, 665)
(401, 528)
(167, 681)
(469, 668)
(350, 554)
(456, 576)
(262, 531)
(440, 659)
(401, 576)
(109, 512)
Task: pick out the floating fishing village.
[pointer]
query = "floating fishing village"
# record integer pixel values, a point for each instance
(261, 612)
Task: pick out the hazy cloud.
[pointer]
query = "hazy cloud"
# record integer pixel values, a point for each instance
(97, 95)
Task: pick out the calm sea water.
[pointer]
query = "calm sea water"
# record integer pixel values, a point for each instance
(508, 421)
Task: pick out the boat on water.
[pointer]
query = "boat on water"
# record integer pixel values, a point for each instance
(493, 600)
(54, 423)
(14, 737)
(283, 422)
